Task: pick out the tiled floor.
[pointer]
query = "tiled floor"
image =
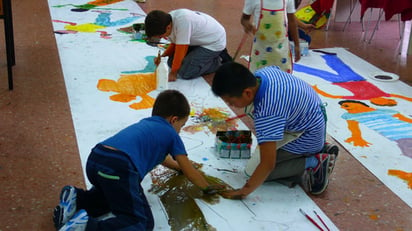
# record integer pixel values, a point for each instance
(38, 150)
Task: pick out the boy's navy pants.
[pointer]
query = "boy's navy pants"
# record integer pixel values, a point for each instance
(116, 189)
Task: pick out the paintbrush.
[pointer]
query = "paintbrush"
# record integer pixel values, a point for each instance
(221, 122)
(321, 220)
(311, 219)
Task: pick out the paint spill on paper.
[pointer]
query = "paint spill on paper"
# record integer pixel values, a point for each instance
(178, 195)
(212, 119)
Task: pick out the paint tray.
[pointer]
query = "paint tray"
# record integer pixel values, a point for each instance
(233, 144)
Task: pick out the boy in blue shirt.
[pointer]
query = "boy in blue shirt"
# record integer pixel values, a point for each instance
(117, 165)
(282, 104)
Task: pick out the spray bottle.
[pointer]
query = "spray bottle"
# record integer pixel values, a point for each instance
(162, 74)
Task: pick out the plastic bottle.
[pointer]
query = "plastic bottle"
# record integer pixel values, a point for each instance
(162, 74)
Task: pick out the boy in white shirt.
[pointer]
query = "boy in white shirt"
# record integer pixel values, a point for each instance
(197, 41)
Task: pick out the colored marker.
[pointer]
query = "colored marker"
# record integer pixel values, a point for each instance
(311, 220)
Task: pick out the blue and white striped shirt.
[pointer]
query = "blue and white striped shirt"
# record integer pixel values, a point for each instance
(286, 103)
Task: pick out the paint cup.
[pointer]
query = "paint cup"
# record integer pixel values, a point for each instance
(235, 151)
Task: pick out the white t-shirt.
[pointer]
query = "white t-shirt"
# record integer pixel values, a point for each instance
(197, 29)
(252, 7)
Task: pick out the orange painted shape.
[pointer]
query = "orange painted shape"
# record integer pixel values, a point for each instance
(147, 102)
(107, 85)
(214, 114)
(407, 177)
(123, 98)
(103, 2)
(129, 87)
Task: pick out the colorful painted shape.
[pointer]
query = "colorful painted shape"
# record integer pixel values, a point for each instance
(345, 77)
(389, 123)
(212, 119)
(102, 21)
(129, 87)
(91, 5)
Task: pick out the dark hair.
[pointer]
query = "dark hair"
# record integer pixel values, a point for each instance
(171, 103)
(352, 101)
(231, 79)
(156, 22)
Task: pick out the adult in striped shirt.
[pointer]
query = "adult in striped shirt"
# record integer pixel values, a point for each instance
(282, 104)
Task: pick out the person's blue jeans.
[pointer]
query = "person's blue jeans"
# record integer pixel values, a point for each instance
(116, 188)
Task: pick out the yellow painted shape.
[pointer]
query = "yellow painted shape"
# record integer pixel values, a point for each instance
(107, 85)
(129, 87)
(103, 2)
(406, 176)
(214, 114)
(87, 27)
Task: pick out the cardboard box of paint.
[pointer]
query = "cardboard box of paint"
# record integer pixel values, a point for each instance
(233, 144)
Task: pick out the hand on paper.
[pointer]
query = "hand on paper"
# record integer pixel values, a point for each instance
(196, 165)
(236, 194)
(172, 76)
(213, 189)
(157, 60)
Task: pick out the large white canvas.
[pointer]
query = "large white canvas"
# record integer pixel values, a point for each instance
(87, 57)
(383, 154)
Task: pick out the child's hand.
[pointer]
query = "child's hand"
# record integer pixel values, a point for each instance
(157, 61)
(233, 194)
(196, 165)
(307, 27)
(172, 76)
(213, 189)
(249, 28)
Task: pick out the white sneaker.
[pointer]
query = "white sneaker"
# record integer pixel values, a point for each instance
(77, 223)
(66, 208)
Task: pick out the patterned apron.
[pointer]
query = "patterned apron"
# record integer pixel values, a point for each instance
(271, 44)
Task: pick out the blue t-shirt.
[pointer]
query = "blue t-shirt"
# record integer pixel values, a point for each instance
(286, 103)
(148, 142)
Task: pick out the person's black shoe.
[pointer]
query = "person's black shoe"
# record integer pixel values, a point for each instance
(225, 56)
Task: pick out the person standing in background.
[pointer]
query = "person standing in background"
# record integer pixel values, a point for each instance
(197, 41)
(271, 23)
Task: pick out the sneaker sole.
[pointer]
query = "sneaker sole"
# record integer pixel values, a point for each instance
(60, 216)
(333, 151)
(321, 190)
(77, 222)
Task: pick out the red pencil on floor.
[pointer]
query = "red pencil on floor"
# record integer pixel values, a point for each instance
(311, 220)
